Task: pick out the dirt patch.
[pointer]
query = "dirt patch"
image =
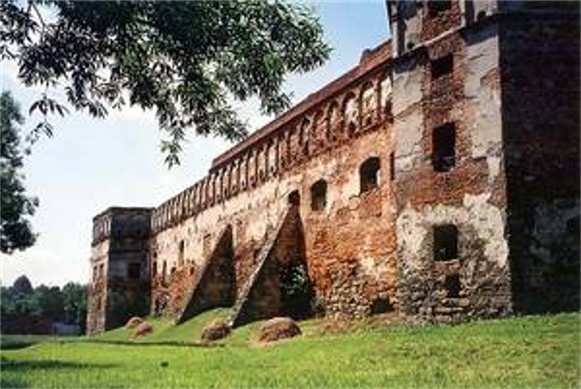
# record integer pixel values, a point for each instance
(142, 330)
(133, 322)
(216, 330)
(278, 328)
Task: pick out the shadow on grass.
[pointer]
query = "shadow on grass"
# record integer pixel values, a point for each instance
(12, 383)
(15, 345)
(176, 343)
(7, 366)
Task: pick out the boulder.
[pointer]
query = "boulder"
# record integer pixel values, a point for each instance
(143, 329)
(278, 328)
(216, 330)
(133, 322)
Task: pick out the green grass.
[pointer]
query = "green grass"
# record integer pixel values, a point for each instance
(536, 351)
(166, 332)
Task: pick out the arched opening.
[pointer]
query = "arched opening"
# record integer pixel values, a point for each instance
(369, 174)
(333, 121)
(319, 195)
(350, 114)
(294, 198)
(368, 103)
(296, 291)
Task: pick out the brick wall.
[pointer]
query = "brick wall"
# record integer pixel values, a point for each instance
(540, 92)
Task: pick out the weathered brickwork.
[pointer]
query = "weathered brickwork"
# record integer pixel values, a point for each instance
(541, 138)
(405, 185)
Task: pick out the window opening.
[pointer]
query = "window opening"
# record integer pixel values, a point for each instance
(181, 253)
(442, 66)
(319, 195)
(444, 147)
(435, 7)
(133, 271)
(369, 174)
(453, 286)
(294, 198)
(381, 305)
(445, 242)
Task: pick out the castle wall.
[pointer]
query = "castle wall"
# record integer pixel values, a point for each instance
(349, 242)
(466, 197)
(440, 181)
(540, 89)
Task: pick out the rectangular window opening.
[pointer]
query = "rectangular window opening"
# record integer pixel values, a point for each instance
(445, 242)
(435, 7)
(442, 66)
(444, 147)
(133, 271)
(453, 286)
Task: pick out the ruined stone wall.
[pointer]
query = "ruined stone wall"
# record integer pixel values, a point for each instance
(450, 81)
(97, 289)
(540, 91)
(350, 241)
(440, 181)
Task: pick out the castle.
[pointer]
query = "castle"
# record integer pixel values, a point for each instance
(438, 179)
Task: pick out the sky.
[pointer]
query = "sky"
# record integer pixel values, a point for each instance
(91, 164)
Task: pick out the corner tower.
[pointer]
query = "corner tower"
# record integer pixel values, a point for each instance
(119, 286)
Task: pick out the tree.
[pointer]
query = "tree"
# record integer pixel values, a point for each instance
(75, 304)
(186, 61)
(22, 285)
(50, 302)
(19, 298)
(15, 229)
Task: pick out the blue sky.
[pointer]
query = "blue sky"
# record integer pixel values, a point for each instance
(92, 164)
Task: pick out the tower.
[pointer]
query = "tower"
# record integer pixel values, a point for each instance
(487, 174)
(119, 286)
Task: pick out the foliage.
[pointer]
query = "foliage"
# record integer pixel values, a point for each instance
(68, 305)
(296, 292)
(526, 352)
(22, 285)
(75, 304)
(15, 230)
(185, 60)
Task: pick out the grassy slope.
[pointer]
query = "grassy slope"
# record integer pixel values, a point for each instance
(165, 331)
(540, 351)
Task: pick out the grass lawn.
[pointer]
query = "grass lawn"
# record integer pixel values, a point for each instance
(536, 351)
